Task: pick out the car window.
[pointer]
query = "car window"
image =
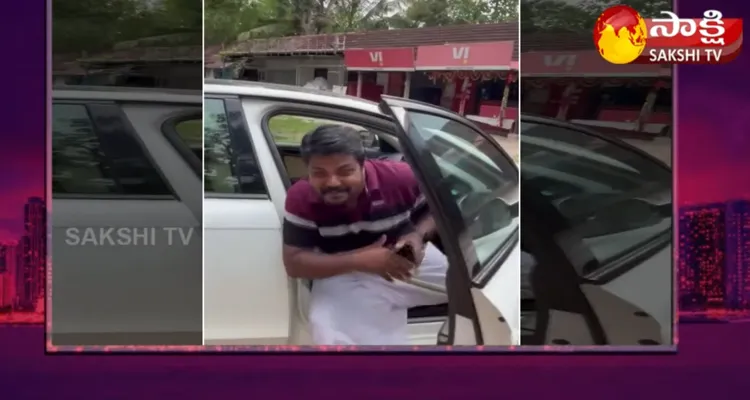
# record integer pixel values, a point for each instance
(83, 165)
(229, 163)
(612, 198)
(482, 181)
(289, 129)
(190, 131)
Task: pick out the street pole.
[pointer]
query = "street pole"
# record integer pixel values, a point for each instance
(359, 83)
(407, 85)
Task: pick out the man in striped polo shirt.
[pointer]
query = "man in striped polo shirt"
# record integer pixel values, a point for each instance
(342, 228)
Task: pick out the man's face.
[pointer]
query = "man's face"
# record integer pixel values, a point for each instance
(338, 178)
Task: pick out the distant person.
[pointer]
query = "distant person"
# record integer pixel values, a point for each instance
(320, 80)
(342, 227)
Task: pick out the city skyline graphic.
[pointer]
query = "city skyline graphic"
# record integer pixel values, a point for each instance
(714, 261)
(23, 267)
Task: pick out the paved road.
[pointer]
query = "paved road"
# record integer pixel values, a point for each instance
(660, 148)
(510, 145)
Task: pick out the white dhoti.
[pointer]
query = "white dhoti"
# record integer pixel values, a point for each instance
(365, 309)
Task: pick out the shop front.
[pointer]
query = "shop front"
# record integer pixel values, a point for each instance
(214, 66)
(478, 80)
(379, 71)
(581, 87)
(292, 69)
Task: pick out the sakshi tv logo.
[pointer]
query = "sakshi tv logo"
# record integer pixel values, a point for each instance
(622, 36)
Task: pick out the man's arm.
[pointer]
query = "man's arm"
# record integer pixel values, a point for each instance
(308, 264)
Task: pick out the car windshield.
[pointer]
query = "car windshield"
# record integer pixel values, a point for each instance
(613, 198)
(481, 179)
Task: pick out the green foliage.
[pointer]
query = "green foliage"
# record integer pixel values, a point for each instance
(88, 26)
(557, 15)
(227, 19)
(91, 26)
(452, 12)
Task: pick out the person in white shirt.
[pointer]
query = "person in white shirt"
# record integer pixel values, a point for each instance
(320, 81)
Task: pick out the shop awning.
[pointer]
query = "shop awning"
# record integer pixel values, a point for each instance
(385, 59)
(586, 63)
(488, 56)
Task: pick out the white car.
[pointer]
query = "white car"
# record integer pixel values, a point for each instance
(252, 159)
(595, 247)
(126, 171)
(596, 237)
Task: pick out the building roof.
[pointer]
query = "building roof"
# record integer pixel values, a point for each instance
(148, 54)
(311, 44)
(337, 43)
(66, 64)
(438, 35)
(68, 69)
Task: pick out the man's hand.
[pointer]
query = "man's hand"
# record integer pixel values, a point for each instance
(380, 260)
(414, 240)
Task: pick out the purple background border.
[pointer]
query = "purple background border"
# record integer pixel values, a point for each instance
(713, 359)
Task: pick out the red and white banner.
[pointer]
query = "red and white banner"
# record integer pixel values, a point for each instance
(586, 63)
(487, 56)
(386, 59)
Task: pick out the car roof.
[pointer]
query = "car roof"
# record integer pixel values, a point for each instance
(308, 95)
(287, 92)
(115, 93)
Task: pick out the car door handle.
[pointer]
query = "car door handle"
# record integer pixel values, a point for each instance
(433, 287)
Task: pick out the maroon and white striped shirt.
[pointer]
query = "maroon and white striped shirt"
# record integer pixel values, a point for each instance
(390, 205)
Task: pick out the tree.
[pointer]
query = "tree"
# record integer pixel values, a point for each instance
(227, 20)
(424, 13)
(557, 15)
(91, 25)
(357, 15)
(88, 26)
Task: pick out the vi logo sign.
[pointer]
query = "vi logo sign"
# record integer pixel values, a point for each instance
(376, 57)
(461, 53)
(566, 61)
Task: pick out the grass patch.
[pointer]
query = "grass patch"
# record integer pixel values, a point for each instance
(290, 129)
(191, 132)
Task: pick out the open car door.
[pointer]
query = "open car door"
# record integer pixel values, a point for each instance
(472, 189)
(598, 225)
